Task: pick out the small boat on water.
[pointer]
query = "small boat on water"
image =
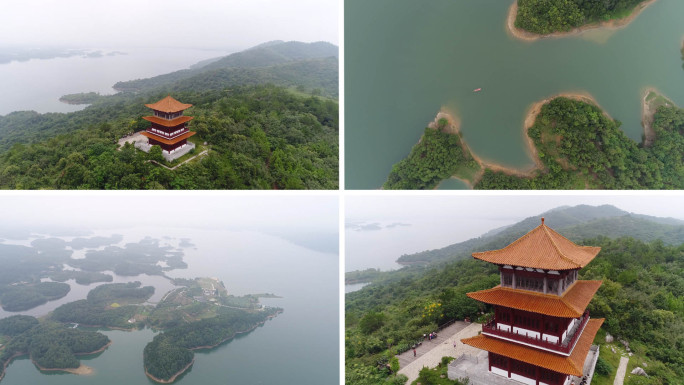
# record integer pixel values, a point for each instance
(477, 90)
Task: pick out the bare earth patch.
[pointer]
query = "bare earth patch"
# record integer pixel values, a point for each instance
(609, 24)
(651, 100)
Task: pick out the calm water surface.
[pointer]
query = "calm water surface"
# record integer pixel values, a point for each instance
(300, 346)
(38, 84)
(405, 59)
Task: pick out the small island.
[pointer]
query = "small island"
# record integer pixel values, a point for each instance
(20, 297)
(80, 98)
(531, 20)
(51, 346)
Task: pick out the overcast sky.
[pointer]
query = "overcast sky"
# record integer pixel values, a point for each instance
(223, 24)
(305, 220)
(430, 222)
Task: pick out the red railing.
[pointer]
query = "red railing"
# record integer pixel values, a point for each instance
(490, 328)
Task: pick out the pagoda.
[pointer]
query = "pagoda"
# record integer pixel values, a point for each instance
(541, 333)
(169, 128)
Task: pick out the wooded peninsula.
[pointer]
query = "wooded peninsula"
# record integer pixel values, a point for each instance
(576, 144)
(197, 315)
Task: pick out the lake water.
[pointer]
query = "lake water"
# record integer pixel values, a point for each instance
(406, 59)
(38, 84)
(299, 346)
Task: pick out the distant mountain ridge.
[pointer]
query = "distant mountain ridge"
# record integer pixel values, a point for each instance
(575, 223)
(306, 67)
(274, 54)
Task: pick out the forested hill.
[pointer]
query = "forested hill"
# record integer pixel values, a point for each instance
(642, 300)
(575, 223)
(276, 62)
(269, 127)
(258, 137)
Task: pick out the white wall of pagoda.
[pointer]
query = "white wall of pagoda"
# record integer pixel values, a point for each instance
(517, 377)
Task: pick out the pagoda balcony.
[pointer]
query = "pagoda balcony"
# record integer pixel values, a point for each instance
(563, 347)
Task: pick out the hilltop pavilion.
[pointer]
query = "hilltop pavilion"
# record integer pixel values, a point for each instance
(541, 332)
(169, 128)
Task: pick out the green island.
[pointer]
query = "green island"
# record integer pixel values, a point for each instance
(534, 18)
(80, 98)
(20, 282)
(642, 300)
(81, 277)
(199, 314)
(267, 116)
(52, 346)
(19, 297)
(575, 146)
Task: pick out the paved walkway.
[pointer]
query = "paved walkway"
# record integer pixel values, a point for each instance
(205, 152)
(622, 369)
(137, 137)
(430, 353)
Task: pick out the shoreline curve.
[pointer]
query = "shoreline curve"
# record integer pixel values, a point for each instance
(521, 34)
(183, 370)
(531, 115)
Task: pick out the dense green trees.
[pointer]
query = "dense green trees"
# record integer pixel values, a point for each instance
(24, 297)
(97, 309)
(16, 324)
(89, 313)
(642, 299)
(582, 148)
(171, 351)
(49, 344)
(130, 292)
(436, 157)
(81, 277)
(548, 16)
(261, 137)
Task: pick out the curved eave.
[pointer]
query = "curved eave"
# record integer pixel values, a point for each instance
(571, 305)
(168, 123)
(541, 248)
(168, 141)
(571, 365)
(168, 105)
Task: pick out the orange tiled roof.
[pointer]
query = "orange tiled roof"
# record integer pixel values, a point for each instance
(168, 123)
(541, 248)
(567, 365)
(571, 305)
(169, 104)
(167, 141)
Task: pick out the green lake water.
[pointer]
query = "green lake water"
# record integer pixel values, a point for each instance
(406, 59)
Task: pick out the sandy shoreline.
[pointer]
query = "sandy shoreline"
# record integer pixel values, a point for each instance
(609, 24)
(81, 370)
(530, 117)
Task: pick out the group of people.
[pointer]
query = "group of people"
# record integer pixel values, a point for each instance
(430, 336)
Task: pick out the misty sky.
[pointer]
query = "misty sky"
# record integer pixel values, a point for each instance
(311, 221)
(223, 24)
(430, 222)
